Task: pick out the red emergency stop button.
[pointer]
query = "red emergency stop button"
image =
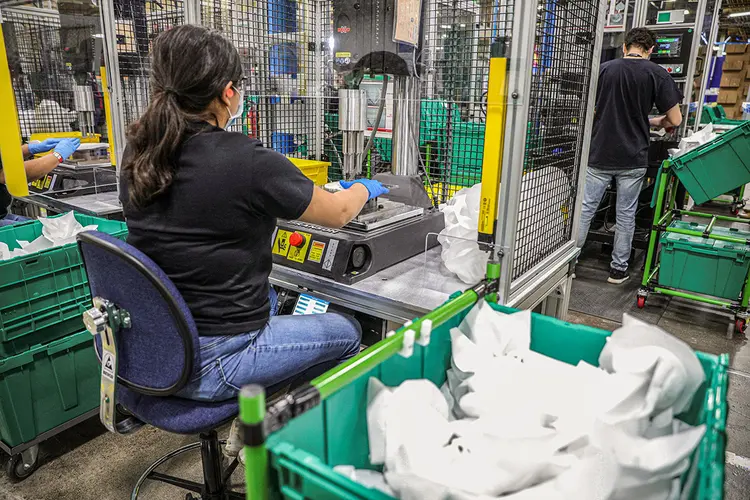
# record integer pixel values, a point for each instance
(669, 70)
(296, 240)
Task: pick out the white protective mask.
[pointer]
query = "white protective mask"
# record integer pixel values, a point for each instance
(240, 109)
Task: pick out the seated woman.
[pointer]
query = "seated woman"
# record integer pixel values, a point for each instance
(202, 202)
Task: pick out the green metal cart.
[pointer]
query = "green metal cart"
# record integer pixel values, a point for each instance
(696, 261)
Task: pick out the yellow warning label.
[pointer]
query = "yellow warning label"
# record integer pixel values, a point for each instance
(343, 54)
(316, 251)
(298, 254)
(281, 245)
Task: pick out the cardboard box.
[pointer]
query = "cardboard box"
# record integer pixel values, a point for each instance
(736, 48)
(728, 97)
(734, 65)
(730, 80)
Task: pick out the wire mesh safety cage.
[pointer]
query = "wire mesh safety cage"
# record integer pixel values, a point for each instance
(558, 99)
(137, 24)
(53, 59)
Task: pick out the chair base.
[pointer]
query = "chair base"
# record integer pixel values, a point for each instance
(214, 486)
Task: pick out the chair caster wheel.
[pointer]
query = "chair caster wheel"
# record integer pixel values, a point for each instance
(190, 496)
(641, 302)
(740, 325)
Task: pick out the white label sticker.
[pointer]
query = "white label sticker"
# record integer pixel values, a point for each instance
(330, 254)
(108, 366)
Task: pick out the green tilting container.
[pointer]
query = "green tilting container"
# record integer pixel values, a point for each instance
(717, 167)
(47, 386)
(42, 295)
(703, 265)
(303, 453)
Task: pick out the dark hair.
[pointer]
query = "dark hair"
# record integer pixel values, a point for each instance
(190, 67)
(640, 37)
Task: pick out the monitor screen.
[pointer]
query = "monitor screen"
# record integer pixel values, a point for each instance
(668, 46)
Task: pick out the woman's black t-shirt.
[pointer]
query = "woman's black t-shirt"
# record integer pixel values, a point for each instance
(211, 230)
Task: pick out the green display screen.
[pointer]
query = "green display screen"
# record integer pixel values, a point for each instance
(669, 46)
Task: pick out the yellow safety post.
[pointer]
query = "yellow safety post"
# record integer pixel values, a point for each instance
(10, 133)
(494, 138)
(108, 115)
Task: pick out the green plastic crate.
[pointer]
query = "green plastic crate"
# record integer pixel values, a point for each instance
(703, 265)
(43, 295)
(303, 453)
(46, 387)
(716, 167)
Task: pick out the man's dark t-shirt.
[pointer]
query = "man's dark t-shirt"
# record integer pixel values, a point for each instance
(5, 198)
(211, 230)
(628, 90)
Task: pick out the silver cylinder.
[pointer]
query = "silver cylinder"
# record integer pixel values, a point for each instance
(352, 124)
(406, 113)
(83, 98)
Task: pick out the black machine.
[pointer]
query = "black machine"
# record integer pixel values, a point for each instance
(379, 36)
(672, 51)
(386, 232)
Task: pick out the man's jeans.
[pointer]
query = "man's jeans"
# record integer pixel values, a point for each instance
(12, 220)
(629, 183)
(288, 349)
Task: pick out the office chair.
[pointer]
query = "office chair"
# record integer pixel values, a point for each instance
(147, 342)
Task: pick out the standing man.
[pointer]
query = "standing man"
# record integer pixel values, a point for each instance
(628, 89)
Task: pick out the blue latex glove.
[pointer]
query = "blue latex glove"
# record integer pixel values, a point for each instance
(42, 147)
(374, 188)
(67, 147)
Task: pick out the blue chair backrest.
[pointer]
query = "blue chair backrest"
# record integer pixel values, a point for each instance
(157, 354)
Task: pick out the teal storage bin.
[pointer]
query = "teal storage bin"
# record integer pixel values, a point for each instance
(717, 167)
(302, 454)
(47, 386)
(703, 265)
(43, 295)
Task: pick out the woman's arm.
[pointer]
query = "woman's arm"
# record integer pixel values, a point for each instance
(335, 209)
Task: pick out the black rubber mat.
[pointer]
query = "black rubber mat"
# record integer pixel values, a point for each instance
(591, 294)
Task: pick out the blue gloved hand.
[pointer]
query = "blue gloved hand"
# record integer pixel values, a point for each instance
(42, 147)
(374, 188)
(67, 147)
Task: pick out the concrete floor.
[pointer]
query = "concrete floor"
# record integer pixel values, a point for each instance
(86, 463)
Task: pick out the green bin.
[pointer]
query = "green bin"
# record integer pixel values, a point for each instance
(47, 386)
(43, 295)
(703, 265)
(302, 454)
(717, 167)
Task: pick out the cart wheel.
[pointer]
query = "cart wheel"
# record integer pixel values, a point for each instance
(641, 302)
(17, 470)
(735, 212)
(740, 325)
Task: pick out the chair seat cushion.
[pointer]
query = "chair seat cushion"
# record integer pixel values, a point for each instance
(178, 415)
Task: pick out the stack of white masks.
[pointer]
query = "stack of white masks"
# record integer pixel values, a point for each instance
(513, 423)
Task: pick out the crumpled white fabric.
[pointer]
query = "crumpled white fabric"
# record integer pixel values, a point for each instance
(693, 140)
(512, 423)
(645, 349)
(57, 231)
(369, 478)
(460, 253)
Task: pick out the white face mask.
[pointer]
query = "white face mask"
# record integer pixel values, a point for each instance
(240, 109)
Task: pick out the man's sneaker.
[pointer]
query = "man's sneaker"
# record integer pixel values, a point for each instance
(616, 277)
(234, 440)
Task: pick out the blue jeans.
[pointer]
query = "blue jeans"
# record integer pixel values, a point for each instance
(12, 220)
(629, 183)
(287, 350)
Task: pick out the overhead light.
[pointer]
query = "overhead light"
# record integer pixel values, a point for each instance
(739, 14)
(445, 26)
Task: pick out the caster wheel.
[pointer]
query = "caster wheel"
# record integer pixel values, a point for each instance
(641, 302)
(190, 496)
(740, 325)
(17, 470)
(735, 212)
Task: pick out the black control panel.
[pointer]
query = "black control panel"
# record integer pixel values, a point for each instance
(377, 36)
(672, 51)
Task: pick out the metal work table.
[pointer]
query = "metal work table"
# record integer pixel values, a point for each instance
(96, 204)
(418, 285)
